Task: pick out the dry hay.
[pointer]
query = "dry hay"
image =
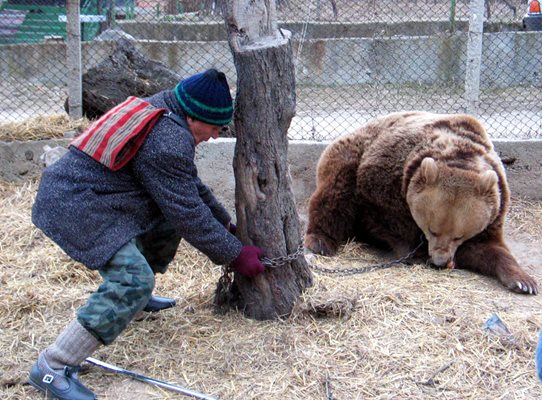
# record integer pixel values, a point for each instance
(41, 127)
(406, 332)
(524, 218)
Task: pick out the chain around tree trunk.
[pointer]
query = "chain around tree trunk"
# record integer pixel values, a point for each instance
(283, 260)
(224, 295)
(226, 280)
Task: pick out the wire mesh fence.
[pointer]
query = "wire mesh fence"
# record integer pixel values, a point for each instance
(355, 60)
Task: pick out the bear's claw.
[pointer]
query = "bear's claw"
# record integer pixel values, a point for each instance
(319, 244)
(524, 287)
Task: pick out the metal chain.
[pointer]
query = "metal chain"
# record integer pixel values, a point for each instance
(225, 281)
(369, 268)
(282, 260)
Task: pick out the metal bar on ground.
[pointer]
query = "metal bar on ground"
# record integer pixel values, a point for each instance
(147, 379)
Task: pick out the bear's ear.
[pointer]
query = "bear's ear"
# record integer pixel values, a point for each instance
(429, 171)
(487, 182)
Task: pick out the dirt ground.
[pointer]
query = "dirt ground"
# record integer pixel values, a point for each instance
(407, 332)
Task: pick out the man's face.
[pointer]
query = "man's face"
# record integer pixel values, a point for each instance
(203, 131)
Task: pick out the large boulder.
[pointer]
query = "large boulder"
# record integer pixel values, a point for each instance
(126, 72)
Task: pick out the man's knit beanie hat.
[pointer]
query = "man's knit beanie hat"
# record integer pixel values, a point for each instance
(206, 97)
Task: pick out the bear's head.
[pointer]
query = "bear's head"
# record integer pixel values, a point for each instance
(451, 205)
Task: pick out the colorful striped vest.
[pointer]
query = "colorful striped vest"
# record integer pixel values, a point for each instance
(115, 137)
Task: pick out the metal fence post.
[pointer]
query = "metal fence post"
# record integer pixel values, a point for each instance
(73, 59)
(474, 56)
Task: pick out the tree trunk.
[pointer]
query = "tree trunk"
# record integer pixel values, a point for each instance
(265, 207)
(171, 7)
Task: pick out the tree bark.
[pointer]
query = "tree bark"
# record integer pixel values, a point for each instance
(265, 207)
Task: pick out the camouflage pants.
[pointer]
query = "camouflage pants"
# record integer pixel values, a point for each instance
(128, 281)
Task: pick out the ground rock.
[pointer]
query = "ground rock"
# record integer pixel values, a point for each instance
(126, 72)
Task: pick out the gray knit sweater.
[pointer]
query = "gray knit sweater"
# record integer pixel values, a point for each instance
(91, 211)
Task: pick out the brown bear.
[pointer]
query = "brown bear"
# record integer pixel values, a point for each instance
(410, 173)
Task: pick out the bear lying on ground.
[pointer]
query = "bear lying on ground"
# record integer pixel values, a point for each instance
(413, 172)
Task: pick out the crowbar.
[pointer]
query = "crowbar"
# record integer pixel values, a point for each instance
(146, 379)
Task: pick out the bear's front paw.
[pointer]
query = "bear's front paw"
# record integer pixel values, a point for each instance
(321, 244)
(522, 283)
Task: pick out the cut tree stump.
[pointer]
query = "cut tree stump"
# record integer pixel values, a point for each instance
(265, 206)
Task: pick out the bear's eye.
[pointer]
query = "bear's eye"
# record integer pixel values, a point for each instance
(433, 233)
(457, 239)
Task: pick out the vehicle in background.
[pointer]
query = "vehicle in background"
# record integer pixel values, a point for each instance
(533, 19)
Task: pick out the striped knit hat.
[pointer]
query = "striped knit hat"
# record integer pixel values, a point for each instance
(206, 97)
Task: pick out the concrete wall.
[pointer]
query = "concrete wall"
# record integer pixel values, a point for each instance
(508, 59)
(214, 31)
(522, 159)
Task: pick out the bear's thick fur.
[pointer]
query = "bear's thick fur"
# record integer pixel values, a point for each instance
(410, 173)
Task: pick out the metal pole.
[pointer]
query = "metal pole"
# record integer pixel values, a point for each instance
(452, 15)
(73, 58)
(474, 56)
(146, 379)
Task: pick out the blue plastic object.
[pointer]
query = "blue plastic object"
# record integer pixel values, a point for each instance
(495, 325)
(539, 356)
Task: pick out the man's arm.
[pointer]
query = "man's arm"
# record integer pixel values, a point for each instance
(165, 167)
(218, 210)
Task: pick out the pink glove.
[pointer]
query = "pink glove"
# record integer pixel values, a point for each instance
(248, 261)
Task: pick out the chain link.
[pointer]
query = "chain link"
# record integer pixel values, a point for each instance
(282, 260)
(368, 268)
(226, 280)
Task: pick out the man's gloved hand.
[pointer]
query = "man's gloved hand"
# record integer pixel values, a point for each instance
(232, 228)
(248, 261)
